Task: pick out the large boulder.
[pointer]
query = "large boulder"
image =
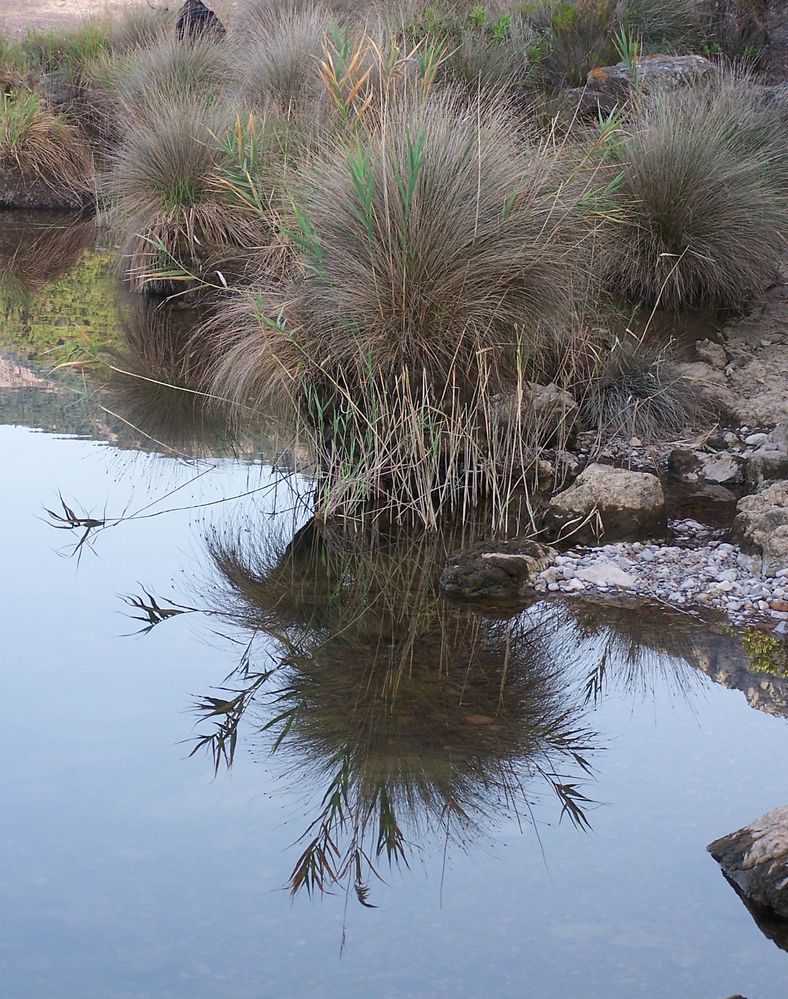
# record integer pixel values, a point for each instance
(755, 860)
(608, 502)
(761, 529)
(616, 81)
(494, 571)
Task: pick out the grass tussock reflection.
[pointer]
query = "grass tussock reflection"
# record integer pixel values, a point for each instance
(418, 721)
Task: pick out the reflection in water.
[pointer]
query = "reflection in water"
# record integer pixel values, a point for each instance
(631, 650)
(149, 385)
(420, 723)
(37, 248)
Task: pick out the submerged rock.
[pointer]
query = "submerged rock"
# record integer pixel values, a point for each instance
(609, 502)
(494, 571)
(761, 528)
(755, 860)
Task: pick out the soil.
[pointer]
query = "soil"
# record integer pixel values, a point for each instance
(18, 16)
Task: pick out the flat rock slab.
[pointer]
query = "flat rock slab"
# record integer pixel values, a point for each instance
(661, 69)
(755, 860)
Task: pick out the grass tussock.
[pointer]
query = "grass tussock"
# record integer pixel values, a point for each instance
(169, 194)
(42, 149)
(703, 192)
(279, 56)
(637, 390)
(432, 252)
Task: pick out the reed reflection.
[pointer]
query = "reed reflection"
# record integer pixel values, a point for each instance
(413, 721)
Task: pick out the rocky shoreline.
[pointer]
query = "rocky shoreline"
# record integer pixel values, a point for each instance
(693, 575)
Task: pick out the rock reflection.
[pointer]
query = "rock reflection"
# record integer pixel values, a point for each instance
(417, 722)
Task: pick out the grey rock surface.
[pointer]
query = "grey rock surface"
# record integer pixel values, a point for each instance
(755, 860)
(648, 71)
(761, 528)
(608, 502)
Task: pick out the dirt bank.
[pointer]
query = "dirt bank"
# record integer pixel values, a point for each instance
(17, 16)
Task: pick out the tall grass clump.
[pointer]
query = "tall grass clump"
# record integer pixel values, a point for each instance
(637, 389)
(169, 196)
(433, 248)
(42, 150)
(127, 86)
(703, 191)
(279, 54)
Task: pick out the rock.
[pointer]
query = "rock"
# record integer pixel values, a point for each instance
(722, 469)
(755, 860)
(547, 412)
(582, 104)
(615, 81)
(494, 571)
(757, 346)
(196, 21)
(608, 501)
(779, 435)
(605, 574)
(768, 463)
(684, 463)
(755, 440)
(711, 352)
(712, 381)
(761, 528)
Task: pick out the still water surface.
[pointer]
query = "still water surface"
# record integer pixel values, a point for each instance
(134, 869)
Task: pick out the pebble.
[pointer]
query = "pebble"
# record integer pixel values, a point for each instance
(755, 440)
(700, 572)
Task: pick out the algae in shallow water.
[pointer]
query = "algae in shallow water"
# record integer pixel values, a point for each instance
(67, 319)
(766, 653)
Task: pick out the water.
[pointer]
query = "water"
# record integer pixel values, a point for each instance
(132, 870)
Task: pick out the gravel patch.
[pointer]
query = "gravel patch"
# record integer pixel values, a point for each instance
(697, 572)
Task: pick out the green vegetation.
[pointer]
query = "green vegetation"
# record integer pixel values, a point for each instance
(396, 238)
(43, 157)
(702, 194)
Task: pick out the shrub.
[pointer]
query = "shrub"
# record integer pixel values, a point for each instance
(492, 54)
(127, 86)
(736, 29)
(436, 237)
(637, 390)
(663, 23)
(577, 37)
(703, 192)
(66, 52)
(137, 27)
(433, 248)
(171, 71)
(279, 59)
(169, 196)
(38, 147)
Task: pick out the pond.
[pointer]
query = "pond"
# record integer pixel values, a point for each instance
(248, 755)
